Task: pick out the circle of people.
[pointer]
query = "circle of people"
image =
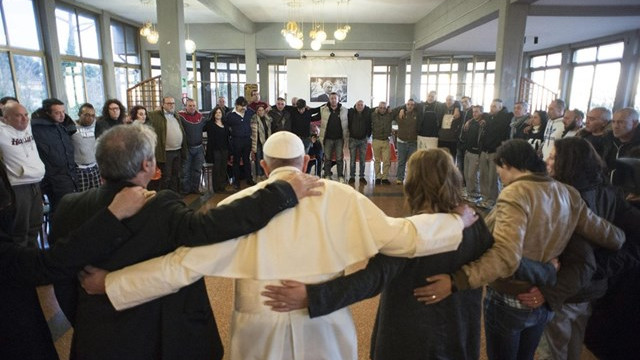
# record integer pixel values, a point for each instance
(552, 251)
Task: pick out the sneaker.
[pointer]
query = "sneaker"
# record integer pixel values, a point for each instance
(341, 179)
(399, 182)
(385, 182)
(378, 181)
(250, 182)
(363, 181)
(352, 180)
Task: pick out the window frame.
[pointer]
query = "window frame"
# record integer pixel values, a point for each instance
(12, 51)
(77, 11)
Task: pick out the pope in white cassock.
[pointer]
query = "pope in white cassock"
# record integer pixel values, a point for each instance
(313, 242)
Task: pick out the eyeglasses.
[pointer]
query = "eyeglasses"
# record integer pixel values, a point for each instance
(114, 108)
(88, 115)
(171, 103)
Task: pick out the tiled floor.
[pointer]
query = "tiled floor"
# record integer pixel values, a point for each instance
(388, 197)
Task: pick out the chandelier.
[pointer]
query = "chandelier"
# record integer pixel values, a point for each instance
(342, 31)
(149, 31)
(293, 30)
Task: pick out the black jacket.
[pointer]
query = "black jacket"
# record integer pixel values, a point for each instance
(403, 325)
(105, 123)
(613, 149)
(496, 130)
(177, 326)
(280, 120)
(55, 148)
(24, 333)
(613, 329)
(430, 118)
(359, 123)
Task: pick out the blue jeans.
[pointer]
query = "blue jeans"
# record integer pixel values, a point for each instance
(259, 156)
(331, 145)
(361, 146)
(460, 161)
(512, 333)
(192, 169)
(405, 149)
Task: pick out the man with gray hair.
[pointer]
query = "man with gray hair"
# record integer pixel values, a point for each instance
(310, 243)
(359, 122)
(126, 158)
(25, 170)
(520, 120)
(623, 141)
(596, 124)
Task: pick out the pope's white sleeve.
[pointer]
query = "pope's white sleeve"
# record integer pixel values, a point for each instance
(149, 280)
(437, 233)
(419, 235)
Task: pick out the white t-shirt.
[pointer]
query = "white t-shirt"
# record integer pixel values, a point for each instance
(174, 133)
(552, 132)
(19, 153)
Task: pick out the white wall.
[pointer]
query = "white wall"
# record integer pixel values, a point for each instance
(358, 73)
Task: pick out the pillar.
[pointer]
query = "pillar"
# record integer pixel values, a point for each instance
(512, 21)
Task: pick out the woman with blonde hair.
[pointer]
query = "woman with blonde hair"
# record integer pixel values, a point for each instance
(405, 327)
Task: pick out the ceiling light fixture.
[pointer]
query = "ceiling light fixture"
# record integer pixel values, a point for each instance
(153, 36)
(293, 30)
(189, 45)
(342, 31)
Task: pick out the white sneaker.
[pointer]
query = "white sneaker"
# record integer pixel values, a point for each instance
(341, 179)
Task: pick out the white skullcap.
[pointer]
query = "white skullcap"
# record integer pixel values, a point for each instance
(283, 145)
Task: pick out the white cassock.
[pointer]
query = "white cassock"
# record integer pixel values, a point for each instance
(312, 242)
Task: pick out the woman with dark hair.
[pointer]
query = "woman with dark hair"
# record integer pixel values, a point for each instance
(583, 275)
(138, 114)
(534, 133)
(534, 217)
(405, 327)
(113, 113)
(218, 148)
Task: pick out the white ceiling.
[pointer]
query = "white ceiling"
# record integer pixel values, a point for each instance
(357, 11)
(551, 31)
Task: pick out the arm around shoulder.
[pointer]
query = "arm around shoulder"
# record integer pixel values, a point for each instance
(240, 217)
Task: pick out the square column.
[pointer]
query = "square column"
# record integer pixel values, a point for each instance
(251, 60)
(512, 21)
(171, 44)
(416, 73)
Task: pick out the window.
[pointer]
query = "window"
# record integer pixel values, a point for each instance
(479, 80)
(277, 82)
(20, 19)
(81, 58)
(544, 71)
(22, 69)
(190, 81)
(31, 81)
(440, 75)
(595, 75)
(381, 84)
(126, 58)
(228, 77)
(636, 101)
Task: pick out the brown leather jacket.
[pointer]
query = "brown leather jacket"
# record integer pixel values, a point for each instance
(534, 217)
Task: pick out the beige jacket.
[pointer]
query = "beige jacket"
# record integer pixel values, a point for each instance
(258, 132)
(534, 217)
(325, 112)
